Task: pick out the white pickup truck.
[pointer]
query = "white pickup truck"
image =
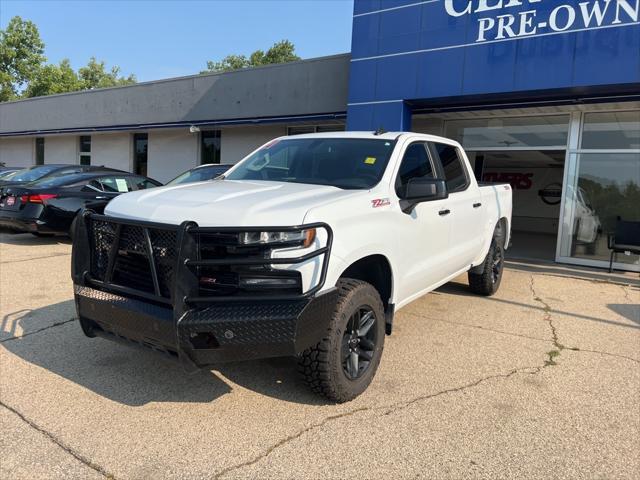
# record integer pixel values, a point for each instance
(305, 248)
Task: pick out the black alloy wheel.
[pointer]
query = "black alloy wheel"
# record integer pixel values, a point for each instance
(359, 342)
(497, 265)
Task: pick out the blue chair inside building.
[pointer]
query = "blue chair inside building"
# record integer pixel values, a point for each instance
(626, 238)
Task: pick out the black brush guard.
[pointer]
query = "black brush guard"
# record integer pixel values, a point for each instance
(169, 313)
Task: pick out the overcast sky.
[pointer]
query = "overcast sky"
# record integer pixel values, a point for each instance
(160, 38)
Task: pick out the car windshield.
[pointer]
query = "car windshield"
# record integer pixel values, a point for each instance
(350, 163)
(200, 174)
(31, 174)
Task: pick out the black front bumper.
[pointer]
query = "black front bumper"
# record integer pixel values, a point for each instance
(209, 335)
(199, 331)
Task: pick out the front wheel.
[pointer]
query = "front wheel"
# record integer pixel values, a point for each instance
(342, 365)
(485, 278)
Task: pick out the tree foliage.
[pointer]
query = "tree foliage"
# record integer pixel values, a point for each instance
(96, 75)
(21, 55)
(280, 52)
(25, 73)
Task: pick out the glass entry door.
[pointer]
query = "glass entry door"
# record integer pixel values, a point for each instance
(602, 188)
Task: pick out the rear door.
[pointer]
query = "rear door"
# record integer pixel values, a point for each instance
(107, 188)
(464, 205)
(423, 234)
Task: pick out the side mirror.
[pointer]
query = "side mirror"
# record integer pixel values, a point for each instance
(423, 190)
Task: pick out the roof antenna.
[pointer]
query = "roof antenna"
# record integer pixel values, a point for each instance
(380, 131)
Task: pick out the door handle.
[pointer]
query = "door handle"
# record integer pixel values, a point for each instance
(442, 213)
(101, 198)
(477, 205)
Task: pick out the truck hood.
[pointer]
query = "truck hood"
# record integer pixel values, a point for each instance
(226, 203)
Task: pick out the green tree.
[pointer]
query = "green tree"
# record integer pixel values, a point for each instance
(280, 52)
(96, 75)
(21, 56)
(51, 79)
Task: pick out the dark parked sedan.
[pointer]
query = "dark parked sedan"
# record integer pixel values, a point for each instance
(39, 172)
(4, 171)
(49, 206)
(200, 174)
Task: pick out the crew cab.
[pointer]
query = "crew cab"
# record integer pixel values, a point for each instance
(305, 248)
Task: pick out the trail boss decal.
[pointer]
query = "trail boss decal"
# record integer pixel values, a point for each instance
(380, 202)
(504, 19)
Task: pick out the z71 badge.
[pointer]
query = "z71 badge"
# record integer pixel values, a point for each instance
(380, 202)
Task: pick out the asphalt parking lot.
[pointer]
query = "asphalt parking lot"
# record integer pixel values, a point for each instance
(540, 381)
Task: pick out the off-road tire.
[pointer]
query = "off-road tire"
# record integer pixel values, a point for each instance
(483, 280)
(321, 366)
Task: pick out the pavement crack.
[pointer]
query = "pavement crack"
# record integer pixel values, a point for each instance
(608, 354)
(553, 354)
(78, 456)
(53, 325)
(403, 405)
(288, 439)
(387, 410)
(627, 296)
(479, 327)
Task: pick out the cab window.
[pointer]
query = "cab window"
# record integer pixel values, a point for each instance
(452, 167)
(415, 164)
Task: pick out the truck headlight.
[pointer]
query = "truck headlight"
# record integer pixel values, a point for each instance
(304, 238)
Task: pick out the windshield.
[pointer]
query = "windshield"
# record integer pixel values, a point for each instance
(199, 174)
(351, 163)
(31, 174)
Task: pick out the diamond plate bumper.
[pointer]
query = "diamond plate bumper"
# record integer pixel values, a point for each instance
(227, 331)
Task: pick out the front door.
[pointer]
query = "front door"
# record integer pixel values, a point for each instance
(423, 232)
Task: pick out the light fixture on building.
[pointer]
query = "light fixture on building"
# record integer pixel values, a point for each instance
(194, 129)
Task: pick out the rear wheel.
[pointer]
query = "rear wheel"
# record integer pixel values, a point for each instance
(485, 279)
(342, 365)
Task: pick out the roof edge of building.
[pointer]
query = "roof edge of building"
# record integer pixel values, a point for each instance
(184, 77)
(183, 124)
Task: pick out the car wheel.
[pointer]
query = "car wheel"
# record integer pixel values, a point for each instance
(485, 280)
(342, 365)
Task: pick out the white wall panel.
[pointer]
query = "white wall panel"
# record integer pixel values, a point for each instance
(17, 152)
(237, 142)
(171, 152)
(112, 150)
(62, 149)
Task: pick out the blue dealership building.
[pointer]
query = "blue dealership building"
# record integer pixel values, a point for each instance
(542, 94)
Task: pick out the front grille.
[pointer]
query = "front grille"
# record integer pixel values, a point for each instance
(131, 261)
(121, 256)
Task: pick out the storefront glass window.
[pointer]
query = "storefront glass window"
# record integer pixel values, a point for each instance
(604, 190)
(611, 130)
(140, 147)
(508, 132)
(210, 147)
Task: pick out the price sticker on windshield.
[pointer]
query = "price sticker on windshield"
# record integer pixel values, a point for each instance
(370, 160)
(121, 184)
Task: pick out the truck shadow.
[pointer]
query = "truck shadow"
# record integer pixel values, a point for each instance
(132, 375)
(24, 239)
